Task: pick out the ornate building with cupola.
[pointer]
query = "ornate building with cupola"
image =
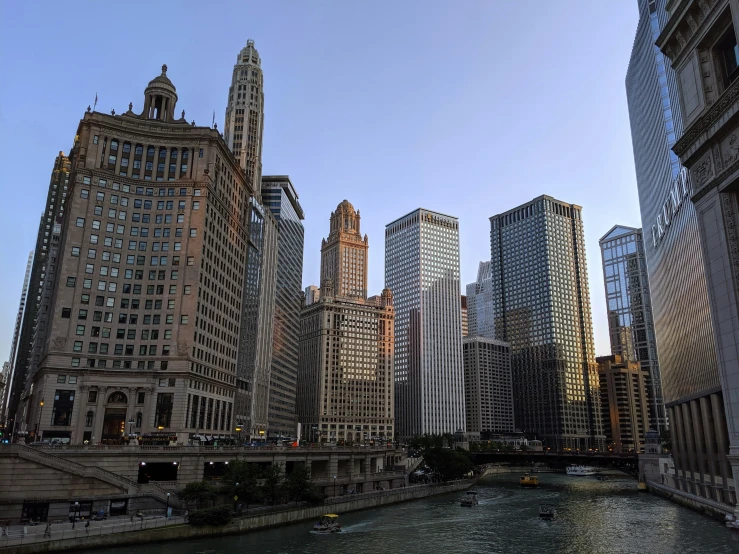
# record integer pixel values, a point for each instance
(145, 308)
(347, 341)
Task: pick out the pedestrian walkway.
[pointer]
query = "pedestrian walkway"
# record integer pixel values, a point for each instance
(15, 535)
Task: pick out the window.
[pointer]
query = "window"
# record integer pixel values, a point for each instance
(84, 193)
(71, 281)
(76, 251)
(61, 413)
(82, 314)
(184, 319)
(187, 289)
(193, 232)
(727, 52)
(163, 414)
(61, 378)
(140, 397)
(66, 313)
(90, 416)
(80, 222)
(80, 330)
(191, 260)
(75, 362)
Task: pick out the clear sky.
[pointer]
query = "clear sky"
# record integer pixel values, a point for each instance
(469, 108)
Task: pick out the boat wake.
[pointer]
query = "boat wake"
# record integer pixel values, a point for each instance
(357, 527)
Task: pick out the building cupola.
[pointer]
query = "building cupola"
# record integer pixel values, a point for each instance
(160, 98)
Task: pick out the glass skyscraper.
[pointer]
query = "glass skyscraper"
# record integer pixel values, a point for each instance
(279, 196)
(542, 308)
(630, 322)
(680, 303)
(422, 270)
(480, 317)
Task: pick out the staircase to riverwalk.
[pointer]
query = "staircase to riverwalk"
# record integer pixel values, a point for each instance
(132, 488)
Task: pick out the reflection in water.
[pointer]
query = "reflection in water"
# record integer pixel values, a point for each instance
(592, 517)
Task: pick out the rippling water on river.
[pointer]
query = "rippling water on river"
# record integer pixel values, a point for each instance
(592, 517)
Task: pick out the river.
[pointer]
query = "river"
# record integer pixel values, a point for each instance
(592, 517)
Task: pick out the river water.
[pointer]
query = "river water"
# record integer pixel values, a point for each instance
(592, 517)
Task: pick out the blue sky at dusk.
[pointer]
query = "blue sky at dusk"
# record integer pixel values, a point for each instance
(468, 108)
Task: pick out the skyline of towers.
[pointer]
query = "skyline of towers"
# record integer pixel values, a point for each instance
(422, 270)
(542, 308)
(345, 377)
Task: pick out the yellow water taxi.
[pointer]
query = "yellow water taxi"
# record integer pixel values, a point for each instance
(529, 480)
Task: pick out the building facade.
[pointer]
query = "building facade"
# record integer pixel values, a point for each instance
(244, 130)
(488, 387)
(344, 253)
(312, 294)
(145, 313)
(422, 270)
(9, 406)
(244, 127)
(54, 208)
(345, 376)
(542, 308)
(700, 40)
(624, 402)
(480, 316)
(280, 198)
(465, 323)
(630, 321)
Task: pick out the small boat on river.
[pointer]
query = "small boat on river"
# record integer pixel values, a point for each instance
(469, 499)
(580, 471)
(530, 481)
(547, 512)
(327, 524)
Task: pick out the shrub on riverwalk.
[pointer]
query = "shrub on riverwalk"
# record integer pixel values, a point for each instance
(219, 515)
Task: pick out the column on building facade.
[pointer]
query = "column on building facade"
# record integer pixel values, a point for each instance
(148, 422)
(79, 415)
(722, 440)
(700, 445)
(709, 438)
(679, 439)
(97, 425)
(130, 409)
(689, 441)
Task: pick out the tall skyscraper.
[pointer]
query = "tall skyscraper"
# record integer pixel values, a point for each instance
(686, 328)
(345, 377)
(542, 307)
(422, 270)
(145, 313)
(279, 196)
(10, 399)
(344, 253)
(54, 208)
(487, 385)
(630, 322)
(245, 114)
(243, 133)
(623, 401)
(480, 304)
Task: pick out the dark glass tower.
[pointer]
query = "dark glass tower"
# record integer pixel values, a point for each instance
(542, 308)
(279, 196)
(630, 322)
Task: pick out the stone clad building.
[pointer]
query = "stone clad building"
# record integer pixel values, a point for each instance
(145, 311)
(624, 401)
(346, 352)
(700, 40)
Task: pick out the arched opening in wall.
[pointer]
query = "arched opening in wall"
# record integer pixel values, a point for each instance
(114, 421)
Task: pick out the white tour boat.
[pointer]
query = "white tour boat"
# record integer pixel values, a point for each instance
(580, 471)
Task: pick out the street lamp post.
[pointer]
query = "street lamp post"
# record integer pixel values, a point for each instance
(76, 513)
(38, 422)
(238, 430)
(167, 505)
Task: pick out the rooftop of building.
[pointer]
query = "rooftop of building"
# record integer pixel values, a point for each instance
(534, 201)
(619, 231)
(417, 210)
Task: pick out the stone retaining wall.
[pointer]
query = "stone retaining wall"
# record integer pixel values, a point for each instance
(245, 524)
